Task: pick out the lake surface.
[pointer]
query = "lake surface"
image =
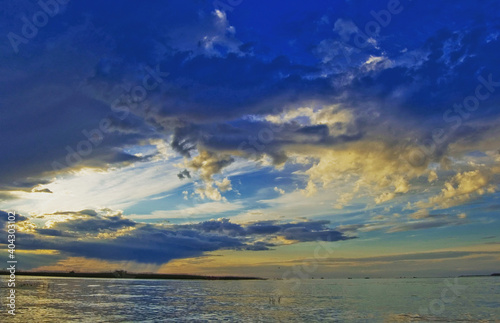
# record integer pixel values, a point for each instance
(40, 299)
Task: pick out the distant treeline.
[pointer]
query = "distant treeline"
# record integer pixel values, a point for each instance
(124, 274)
(495, 274)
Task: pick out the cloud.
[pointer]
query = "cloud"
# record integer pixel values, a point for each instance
(279, 190)
(209, 191)
(387, 196)
(107, 235)
(345, 28)
(117, 239)
(217, 96)
(82, 213)
(208, 164)
(420, 220)
(298, 231)
(377, 165)
(338, 122)
(411, 226)
(89, 189)
(5, 215)
(303, 234)
(460, 189)
(420, 214)
(184, 174)
(224, 185)
(42, 190)
(93, 224)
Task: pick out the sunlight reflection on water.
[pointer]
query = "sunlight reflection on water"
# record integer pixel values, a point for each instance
(41, 299)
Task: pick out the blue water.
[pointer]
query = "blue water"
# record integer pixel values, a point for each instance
(40, 299)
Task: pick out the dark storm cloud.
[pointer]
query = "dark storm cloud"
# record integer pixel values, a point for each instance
(45, 190)
(83, 236)
(302, 234)
(263, 228)
(226, 88)
(5, 215)
(91, 235)
(54, 233)
(450, 73)
(311, 231)
(102, 56)
(146, 244)
(184, 174)
(26, 185)
(63, 81)
(259, 246)
(94, 224)
(300, 231)
(149, 244)
(46, 128)
(223, 226)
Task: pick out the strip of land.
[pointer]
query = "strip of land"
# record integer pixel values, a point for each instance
(126, 275)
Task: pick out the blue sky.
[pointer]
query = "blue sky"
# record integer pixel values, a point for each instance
(235, 137)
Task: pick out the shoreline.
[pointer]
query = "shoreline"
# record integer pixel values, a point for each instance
(119, 274)
(125, 275)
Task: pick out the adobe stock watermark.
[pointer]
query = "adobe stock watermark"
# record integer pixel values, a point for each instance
(121, 107)
(30, 28)
(448, 295)
(363, 37)
(11, 262)
(455, 118)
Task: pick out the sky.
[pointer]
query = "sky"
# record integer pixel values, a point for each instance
(343, 138)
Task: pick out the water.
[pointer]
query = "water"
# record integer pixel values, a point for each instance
(40, 299)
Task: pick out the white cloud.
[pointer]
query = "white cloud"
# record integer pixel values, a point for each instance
(204, 37)
(224, 185)
(89, 189)
(345, 28)
(384, 197)
(209, 191)
(376, 63)
(460, 189)
(377, 166)
(279, 190)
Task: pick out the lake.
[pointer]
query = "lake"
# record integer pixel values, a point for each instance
(40, 299)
